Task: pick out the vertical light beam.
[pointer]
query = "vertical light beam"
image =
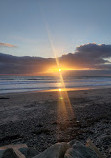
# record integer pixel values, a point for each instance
(65, 103)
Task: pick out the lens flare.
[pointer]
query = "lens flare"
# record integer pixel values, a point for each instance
(64, 110)
(62, 94)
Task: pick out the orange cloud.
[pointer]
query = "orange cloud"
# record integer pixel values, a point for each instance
(7, 45)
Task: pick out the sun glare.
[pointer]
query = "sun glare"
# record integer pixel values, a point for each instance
(55, 69)
(61, 69)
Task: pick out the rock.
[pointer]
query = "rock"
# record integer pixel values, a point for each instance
(1, 153)
(55, 151)
(12, 151)
(78, 150)
(73, 149)
(8, 153)
(94, 148)
(29, 152)
(72, 142)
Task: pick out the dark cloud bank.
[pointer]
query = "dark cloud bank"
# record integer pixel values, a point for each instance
(90, 55)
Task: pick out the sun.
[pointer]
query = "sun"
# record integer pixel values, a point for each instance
(58, 69)
(59, 90)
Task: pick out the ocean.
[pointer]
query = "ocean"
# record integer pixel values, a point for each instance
(12, 84)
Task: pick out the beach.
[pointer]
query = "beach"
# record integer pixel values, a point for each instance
(32, 118)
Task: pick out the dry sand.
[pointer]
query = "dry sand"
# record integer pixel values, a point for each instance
(32, 118)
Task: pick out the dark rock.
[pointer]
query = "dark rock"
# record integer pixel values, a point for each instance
(8, 153)
(55, 151)
(29, 152)
(78, 150)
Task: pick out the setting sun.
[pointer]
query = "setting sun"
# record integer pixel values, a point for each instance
(55, 70)
(59, 89)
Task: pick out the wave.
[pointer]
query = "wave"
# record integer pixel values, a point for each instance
(28, 83)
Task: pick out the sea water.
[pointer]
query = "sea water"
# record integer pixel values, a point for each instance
(10, 84)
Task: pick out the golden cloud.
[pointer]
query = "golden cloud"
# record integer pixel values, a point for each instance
(7, 45)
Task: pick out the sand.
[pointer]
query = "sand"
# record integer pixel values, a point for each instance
(33, 118)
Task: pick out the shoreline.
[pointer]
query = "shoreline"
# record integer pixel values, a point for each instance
(33, 118)
(56, 90)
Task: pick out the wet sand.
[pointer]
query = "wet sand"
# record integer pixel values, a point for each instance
(33, 118)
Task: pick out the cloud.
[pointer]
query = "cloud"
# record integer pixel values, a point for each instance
(23, 65)
(90, 56)
(7, 45)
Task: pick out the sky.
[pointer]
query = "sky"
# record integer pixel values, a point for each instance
(27, 26)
